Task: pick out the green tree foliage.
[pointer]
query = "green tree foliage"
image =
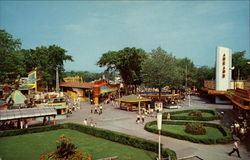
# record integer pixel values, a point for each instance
(187, 71)
(160, 70)
(127, 62)
(46, 59)
(11, 60)
(204, 73)
(241, 68)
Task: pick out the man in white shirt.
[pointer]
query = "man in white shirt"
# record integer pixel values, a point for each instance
(235, 148)
(85, 122)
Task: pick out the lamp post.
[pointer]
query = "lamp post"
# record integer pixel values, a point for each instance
(189, 98)
(159, 122)
(139, 105)
(232, 69)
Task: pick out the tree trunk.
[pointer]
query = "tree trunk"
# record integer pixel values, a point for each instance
(135, 88)
(159, 93)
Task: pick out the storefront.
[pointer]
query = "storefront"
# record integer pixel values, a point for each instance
(133, 102)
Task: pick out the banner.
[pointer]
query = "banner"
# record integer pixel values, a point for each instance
(32, 79)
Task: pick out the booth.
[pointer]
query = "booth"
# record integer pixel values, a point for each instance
(133, 102)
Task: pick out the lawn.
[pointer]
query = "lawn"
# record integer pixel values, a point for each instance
(207, 115)
(31, 146)
(213, 133)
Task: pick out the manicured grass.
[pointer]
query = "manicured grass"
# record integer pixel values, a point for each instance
(31, 146)
(207, 115)
(180, 129)
(216, 134)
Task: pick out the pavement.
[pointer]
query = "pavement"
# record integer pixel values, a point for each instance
(123, 121)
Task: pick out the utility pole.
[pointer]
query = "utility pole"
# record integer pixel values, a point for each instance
(57, 80)
(186, 78)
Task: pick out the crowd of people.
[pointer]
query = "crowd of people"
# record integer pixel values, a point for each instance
(96, 109)
(239, 129)
(90, 122)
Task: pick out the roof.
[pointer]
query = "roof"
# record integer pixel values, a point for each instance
(17, 97)
(77, 85)
(133, 98)
(26, 113)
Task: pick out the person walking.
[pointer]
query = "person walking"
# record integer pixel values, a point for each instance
(142, 118)
(91, 108)
(100, 110)
(168, 116)
(235, 148)
(95, 112)
(137, 118)
(85, 122)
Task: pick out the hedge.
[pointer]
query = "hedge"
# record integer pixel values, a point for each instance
(216, 115)
(227, 135)
(98, 132)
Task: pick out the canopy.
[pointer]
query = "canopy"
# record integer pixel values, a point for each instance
(17, 97)
(133, 98)
(105, 89)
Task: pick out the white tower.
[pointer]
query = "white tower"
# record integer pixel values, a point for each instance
(223, 72)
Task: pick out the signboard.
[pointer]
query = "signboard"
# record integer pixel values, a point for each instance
(223, 65)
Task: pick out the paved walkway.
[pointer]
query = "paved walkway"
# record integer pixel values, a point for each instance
(124, 121)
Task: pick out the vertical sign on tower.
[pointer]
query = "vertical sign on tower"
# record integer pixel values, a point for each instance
(223, 72)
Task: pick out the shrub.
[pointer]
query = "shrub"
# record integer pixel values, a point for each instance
(65, 147)
(66, 150)
(195, 114)
(195, 128)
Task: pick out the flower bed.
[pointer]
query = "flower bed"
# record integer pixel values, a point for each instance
(195, 128)
(216, 134)
(195, 114)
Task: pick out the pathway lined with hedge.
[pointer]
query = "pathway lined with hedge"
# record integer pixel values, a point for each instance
(124, 121)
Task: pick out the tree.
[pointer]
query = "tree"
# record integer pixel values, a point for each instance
(11, 60)
(241, 68)
(187, 72)
(204, 73)
(46, 60)
(128, 62)
(160, 70)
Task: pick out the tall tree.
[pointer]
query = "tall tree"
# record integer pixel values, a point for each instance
(160, 70)
(187, 71)
(11, 60)
(128, 62)
(241, 68)
(204, 73)
(46, 59)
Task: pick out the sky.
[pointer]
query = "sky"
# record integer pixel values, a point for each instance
(87, 29)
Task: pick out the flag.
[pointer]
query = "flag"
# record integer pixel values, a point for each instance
(32, 79)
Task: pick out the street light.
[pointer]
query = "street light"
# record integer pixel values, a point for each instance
(232, 68)
(139, 105)
(159, 122)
